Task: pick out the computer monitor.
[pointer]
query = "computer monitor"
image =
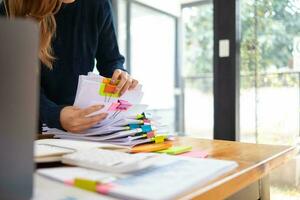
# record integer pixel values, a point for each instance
(19, 75)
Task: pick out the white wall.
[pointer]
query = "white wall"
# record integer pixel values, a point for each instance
(169, 6)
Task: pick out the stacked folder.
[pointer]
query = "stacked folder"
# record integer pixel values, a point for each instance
(127, 123)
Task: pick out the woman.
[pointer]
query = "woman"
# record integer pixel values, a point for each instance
(73, 34)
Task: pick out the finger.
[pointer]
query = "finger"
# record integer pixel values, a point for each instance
(116, 76)
(126, 86)
(91, 120)
(82, 128)
(90, 110)
(124, 78)
(134, 84)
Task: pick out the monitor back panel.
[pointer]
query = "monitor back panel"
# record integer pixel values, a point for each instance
(19, 75)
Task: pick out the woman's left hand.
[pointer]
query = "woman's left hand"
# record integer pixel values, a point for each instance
(126, 82)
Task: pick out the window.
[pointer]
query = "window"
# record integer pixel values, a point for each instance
(153, 59)
(270, 78)
(150, 52)
(198, 69)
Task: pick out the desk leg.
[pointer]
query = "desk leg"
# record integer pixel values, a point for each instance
(264, 188)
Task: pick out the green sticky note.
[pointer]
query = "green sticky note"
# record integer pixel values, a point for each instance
(176, 150)
(85, 184)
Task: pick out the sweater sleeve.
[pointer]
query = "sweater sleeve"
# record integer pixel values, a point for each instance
(2, 9)
(49, 112)
(108, 55)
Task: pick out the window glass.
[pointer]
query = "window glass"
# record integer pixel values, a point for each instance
(198, 69)
(153, 59)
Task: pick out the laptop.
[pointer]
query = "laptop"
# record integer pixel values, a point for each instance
(19, 75)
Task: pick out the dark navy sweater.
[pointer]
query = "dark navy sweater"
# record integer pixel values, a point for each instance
(85, 33)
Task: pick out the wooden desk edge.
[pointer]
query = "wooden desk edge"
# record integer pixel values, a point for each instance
(231, 184)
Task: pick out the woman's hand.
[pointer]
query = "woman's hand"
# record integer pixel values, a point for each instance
(126, 82)
(75, 120)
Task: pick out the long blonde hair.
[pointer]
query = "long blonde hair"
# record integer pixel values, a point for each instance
(43, 11)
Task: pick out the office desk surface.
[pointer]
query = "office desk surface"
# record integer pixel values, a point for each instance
(255, 161)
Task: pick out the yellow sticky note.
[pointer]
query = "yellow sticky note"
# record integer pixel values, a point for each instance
(140, 116)
(85, 184)
(159, 139)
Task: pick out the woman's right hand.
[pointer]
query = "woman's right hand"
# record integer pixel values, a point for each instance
(75, 120)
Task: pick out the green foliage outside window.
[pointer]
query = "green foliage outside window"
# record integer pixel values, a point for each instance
(268, 29)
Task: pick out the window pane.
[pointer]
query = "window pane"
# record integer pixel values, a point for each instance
(270, 83)
(153, 59)
(198, 70)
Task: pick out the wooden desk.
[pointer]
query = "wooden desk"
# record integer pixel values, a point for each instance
(255, 161)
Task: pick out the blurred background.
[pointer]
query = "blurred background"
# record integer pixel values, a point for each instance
(169, 46)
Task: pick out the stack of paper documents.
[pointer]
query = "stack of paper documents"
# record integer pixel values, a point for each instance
(124, 124)
(167, 179)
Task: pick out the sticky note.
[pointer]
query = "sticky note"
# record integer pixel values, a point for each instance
(195, 154)
(114, 107)
(140, 116)
(176, 150)
(104, 94)
(110, 88)
(108, 80)
(146, 128)
(151, 147)
(105, 188)
(159, 139)
(123, 105)
(151, 134)
(146, 121)
(86, 184)
(134, 126)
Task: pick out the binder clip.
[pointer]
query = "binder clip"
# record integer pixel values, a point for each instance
(108, 90)
(118, 107)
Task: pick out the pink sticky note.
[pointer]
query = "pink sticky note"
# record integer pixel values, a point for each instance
(104, 188)
(114, 107)
(195, 154)
(123, 105)
(69, 182)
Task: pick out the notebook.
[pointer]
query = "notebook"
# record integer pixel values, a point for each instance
(51, 150)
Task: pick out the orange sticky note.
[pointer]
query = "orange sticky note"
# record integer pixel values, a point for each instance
(109, 88)
(151, 147)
